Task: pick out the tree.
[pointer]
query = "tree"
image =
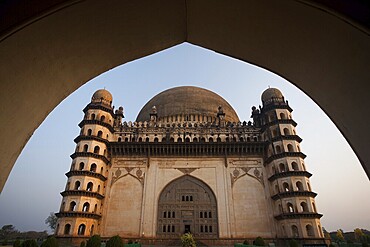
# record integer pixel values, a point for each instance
(326, 233)
(259, 242)
(293, 243)
(339, 235)
(8, 232)
(94, 241)
(50, 242)
(17, 243)
(115, 241)
(29, 243)
(51, 221)
(187, 240)
(359, 235)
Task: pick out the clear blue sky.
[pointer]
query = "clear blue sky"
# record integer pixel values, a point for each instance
(33, 187)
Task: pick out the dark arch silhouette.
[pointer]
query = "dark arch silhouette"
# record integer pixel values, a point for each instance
(215, 25)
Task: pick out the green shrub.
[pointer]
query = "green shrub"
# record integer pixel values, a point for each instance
(246, 242)
(130, 242)
(259, 242)
(332, 245)
(365, 245)
(293, 243)
(115, 241)
(50, 242)
(83, 244)
(187, 240)
(5, 242)
(17, 243)
(29, 243)
(94, 241)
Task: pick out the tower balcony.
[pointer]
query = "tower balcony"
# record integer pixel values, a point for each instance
(92, 106)
(283, 155)
(276, 105)
(279, 121)
(78, 214)
(302, 215)
(86, 173)
(90, 138)
(290, 174)
(82, 193)
(98, 122)
(88, 154)
(286, 194)
(285, 137)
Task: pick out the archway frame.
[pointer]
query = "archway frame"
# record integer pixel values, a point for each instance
(57, 46)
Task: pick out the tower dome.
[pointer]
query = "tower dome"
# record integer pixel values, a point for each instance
(272, 94)
(189, 101)
(102, 96)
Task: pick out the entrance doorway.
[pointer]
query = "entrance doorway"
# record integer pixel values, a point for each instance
(187, 205)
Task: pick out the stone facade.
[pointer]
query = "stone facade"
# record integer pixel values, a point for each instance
(189, 167)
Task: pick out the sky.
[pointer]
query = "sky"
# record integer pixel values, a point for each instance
(33, 188)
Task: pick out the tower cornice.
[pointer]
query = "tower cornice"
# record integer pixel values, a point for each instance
(86, 173)
(286, 194)
(284, 155)
(88, 154)
(98, 122)
(290, 174)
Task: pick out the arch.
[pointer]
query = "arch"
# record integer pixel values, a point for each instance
(179, 139)
(86, 148)
(95, 208)
(92, 230)
(186, 193)
(290, 148)
(356, 72)
(295, 166)
(156, 139)
(100, 133)
(282, 167)
(304, 207)
(309, 230)
(210, 139)
(299, 186)
(282, 115)
(278, 149)
(98, 190)
(86, 207)
(187, 139)
(119, 139)
(147, 139)
(218, 139)
(314, 207)
(286, 186)
(290, 207)
(81, 229)
(286, 131)
(96, 150)
(195, 139)
(72, 206)
(77, 185)
(81, 166)
(241, 139)
(102, 118)
(139, 140)
(89, 132)
(89, 186)
(67, 229)
(295, 232)
(93, 167)
(93, 116)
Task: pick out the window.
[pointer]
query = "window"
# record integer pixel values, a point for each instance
(241, 139)
(156, 139)
(286, 132)
(95, 208)
(278, 149)
(295, 166)
(309, 230)
(195, 139)
(89, 132)
(96, 150)
(93, 167)
(210, 139)
(77, 185)
(179, 139)
(98, 190)
(86, 207)
(282, 116)
(100, 133)
(81, 166)
(92, 230)
(89, 186)
(93, 116)
(67, 229)
(286, 186)
(187, 139)
(86, 147)
(290, 148)
(72, 206)
(282, 167)
(164, 214)
(304, 207)
(102, 118)
(299, 186)
(81, 229)
(295, 232)
(119, 139)
(290, 207)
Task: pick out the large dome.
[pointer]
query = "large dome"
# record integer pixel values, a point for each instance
(187, 101)
(271, 93)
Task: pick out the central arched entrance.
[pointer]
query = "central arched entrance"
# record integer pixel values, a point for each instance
(187, 205)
